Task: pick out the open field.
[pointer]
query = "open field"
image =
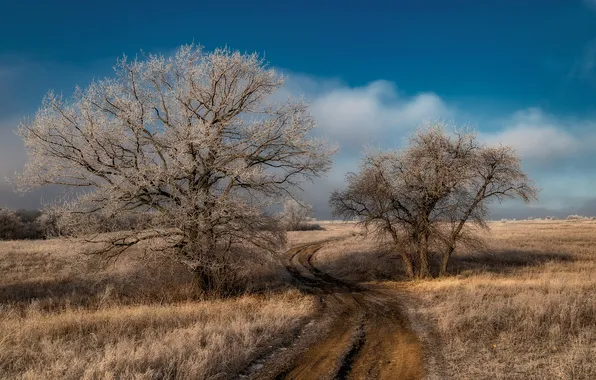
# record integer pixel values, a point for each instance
(523, 309)
(526, 310)
(63, 317)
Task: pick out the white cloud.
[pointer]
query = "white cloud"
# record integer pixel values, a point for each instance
(378, 113)
(372, 113)
(536, 135)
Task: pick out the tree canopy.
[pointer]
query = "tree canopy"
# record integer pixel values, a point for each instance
(430, 195)
(193, 139)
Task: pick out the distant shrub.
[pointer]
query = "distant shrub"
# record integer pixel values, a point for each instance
(579, 217)
(20, 225)
(307, 227)
(576, 217)
(10, 225)
(35, 225)
(297, 216)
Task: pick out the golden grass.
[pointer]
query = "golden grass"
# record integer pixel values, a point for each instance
(63, 317)
(331, 230)
(527, 325)
(524, 309)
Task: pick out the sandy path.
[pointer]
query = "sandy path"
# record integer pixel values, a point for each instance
(363, 332)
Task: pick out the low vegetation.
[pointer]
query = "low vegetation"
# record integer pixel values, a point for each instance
(524, 308)
(66, 316)
(23, 224)
(297, 216)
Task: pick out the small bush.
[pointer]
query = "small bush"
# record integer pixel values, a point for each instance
(296, 216)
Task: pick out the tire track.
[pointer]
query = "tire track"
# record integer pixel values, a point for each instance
(363, 332)
(348, 361)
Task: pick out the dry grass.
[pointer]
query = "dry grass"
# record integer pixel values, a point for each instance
(359, 259)
(62, 316)
(331, 230)
(525, 309)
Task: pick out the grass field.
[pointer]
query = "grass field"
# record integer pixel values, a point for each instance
(523, 309)
(64, 317)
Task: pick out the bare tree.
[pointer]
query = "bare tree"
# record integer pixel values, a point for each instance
(295, 215)
(192, 140)
(49, 223)
(496, 174)
(431, 194)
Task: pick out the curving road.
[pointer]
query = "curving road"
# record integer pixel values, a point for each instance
(362, 331)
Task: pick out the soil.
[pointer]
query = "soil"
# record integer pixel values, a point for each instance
(362, 331)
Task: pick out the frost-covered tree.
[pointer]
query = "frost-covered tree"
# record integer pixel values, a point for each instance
(49, 223)
(194, 140)
(296, 215)
(431, 194)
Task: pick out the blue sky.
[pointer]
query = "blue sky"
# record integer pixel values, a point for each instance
(522, 71)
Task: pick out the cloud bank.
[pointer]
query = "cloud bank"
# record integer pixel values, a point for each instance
(558, 152)
(373, 112)
(539, 136)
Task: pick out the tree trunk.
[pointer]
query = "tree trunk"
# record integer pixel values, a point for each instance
(445, 260)
(202, 248)
(423, 257)
(205, 282)
(406, 259)
(408, 264)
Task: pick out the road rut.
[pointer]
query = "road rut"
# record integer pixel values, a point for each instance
(364, 331)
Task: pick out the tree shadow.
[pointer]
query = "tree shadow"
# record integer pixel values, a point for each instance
(159, 285)
(92, 290)
(503, 261)
(54, 292)
(359, 267)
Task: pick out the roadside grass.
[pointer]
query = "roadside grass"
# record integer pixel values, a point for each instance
(63, 315)
(523, 309)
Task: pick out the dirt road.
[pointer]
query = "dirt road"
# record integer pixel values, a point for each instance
(363, 332)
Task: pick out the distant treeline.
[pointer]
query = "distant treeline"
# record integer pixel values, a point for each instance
(35, 224)
(22, 224)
